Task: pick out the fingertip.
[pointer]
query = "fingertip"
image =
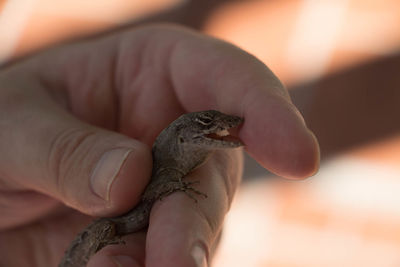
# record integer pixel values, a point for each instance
(108, 176)
(313, 166)
(275, 134)
(130, 181)
(305, 159)
(107, 170)
(199, 253)
(180, 239)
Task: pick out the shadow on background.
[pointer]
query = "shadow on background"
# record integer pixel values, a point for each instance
(348, 109)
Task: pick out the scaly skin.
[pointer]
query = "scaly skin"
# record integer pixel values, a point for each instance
(178, 149)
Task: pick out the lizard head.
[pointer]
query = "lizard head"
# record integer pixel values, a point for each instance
(209, 129)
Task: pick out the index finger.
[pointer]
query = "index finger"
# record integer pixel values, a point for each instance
(210, 74)
(184, 233)
(203, 73)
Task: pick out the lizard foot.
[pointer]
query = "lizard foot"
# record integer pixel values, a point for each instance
(117, 240)
(183, 186)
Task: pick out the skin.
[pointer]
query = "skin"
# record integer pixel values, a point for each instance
(64, 108)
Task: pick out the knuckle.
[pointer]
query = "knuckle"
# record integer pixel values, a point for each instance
(212, 222)
(229, 166)
(67, 149)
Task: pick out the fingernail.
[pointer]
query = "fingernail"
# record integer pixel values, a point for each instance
(199, 255)
(107, 170)
(124, 261)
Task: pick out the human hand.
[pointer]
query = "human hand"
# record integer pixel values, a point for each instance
(76, 129)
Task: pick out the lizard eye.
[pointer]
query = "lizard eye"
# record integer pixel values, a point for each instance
(204, 120)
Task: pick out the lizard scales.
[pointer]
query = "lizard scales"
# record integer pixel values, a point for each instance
(178, 149)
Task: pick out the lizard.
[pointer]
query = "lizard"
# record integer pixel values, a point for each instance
(181, 147)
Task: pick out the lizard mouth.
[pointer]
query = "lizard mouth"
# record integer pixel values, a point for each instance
(224, 138)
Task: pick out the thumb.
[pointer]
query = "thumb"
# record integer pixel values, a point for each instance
(93, 170)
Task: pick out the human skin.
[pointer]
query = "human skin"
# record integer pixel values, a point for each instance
(77, 124)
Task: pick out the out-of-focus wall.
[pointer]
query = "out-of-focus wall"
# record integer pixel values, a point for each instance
(348, 215)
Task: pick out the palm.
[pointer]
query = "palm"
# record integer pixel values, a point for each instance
(40, 243)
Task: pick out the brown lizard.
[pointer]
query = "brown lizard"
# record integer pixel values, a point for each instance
(179, 148)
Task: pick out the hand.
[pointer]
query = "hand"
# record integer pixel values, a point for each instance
(77, 125)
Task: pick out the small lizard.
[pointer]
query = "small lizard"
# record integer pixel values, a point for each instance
(179, 148)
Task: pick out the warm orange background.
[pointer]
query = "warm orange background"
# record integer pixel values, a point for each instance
(347, 215)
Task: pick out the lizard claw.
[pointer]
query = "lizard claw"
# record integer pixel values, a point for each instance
(183, 186)
(188, 188)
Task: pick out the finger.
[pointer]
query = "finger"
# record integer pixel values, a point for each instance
(206, 73)
(90, 169)
(129, 254)
(183, 233)
(228, 79)
(178, 71)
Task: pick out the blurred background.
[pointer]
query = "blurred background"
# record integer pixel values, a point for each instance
(340, 60)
